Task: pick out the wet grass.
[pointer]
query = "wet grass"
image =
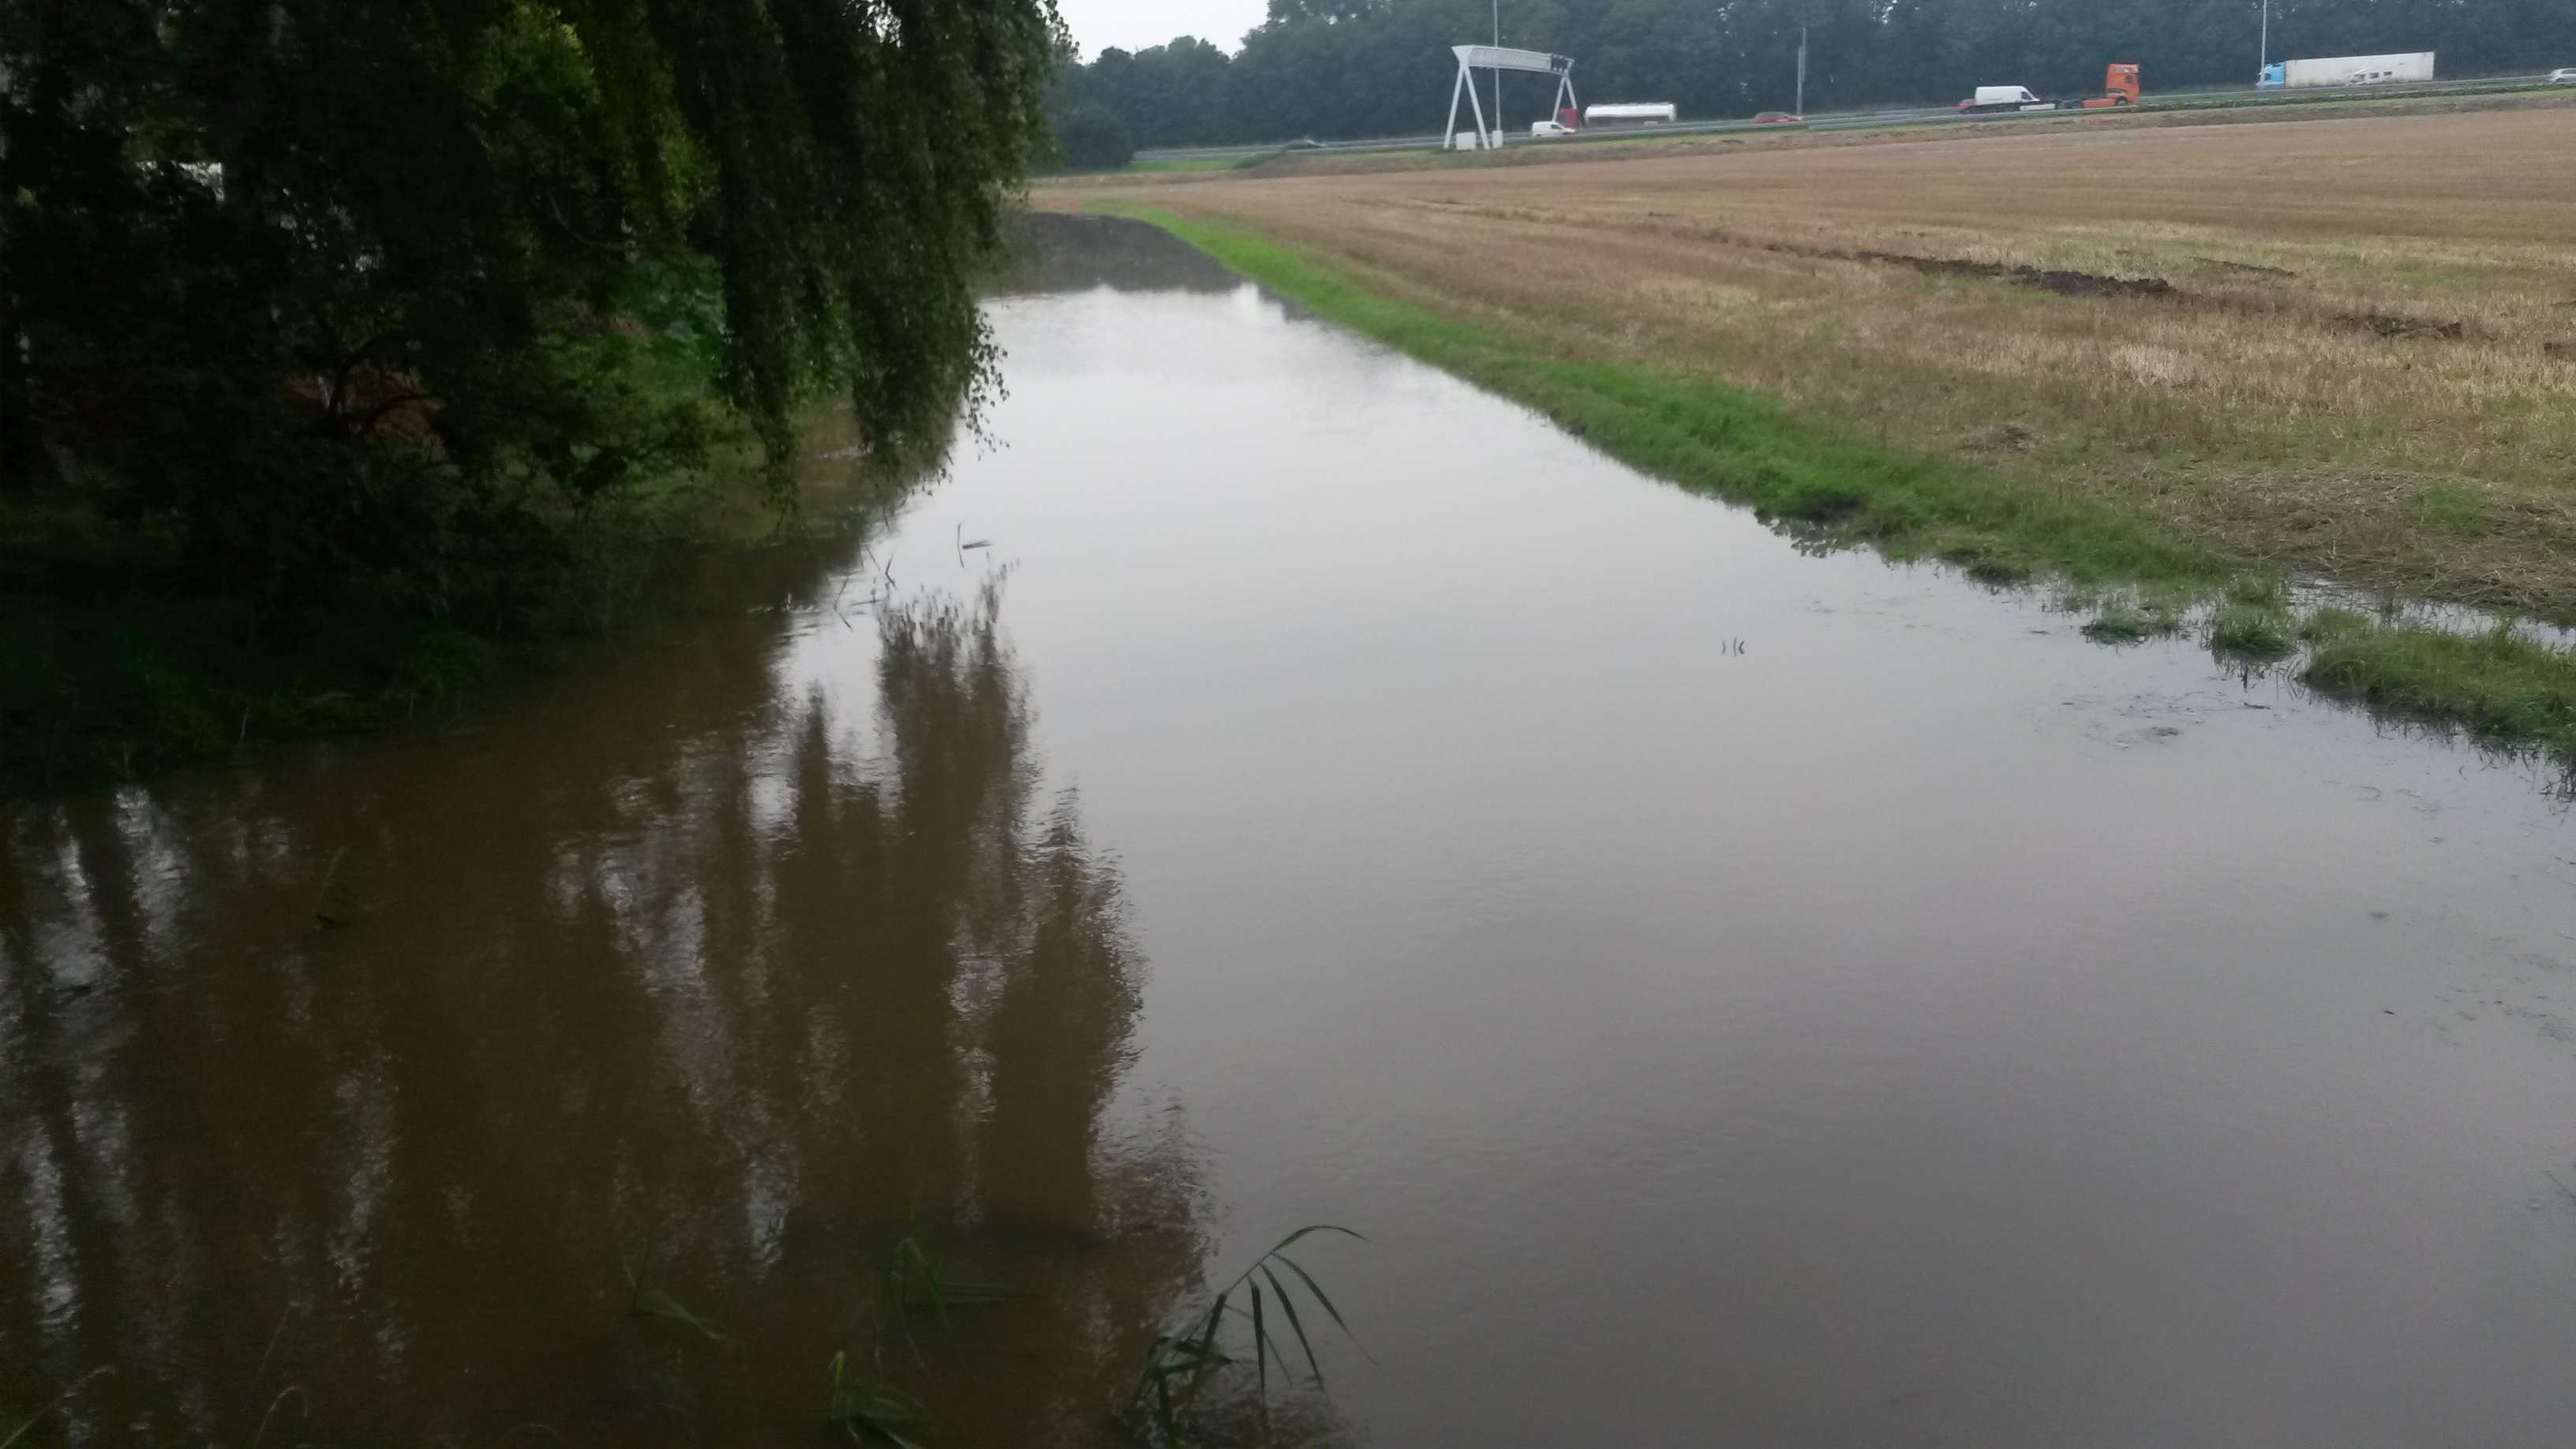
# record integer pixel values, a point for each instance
(1830, 484)
(2133, 615)
(1811, 476)
(2499, 686)
(2253, 631)
(1207, 1384)
(2333, 622)
(1183, 1366)
(2128, 624)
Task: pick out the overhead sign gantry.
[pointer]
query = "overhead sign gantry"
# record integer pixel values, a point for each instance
(1498, 58)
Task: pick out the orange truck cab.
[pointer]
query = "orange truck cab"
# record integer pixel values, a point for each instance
(2119, 87)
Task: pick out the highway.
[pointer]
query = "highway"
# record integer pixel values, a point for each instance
(1850, 120)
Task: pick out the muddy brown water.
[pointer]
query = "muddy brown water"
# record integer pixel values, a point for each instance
(1745, 998)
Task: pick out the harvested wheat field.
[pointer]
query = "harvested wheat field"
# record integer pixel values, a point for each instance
(2346, 348)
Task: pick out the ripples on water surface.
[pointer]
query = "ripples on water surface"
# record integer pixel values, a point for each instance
(1746, 998)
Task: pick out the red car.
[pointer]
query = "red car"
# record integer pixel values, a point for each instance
(1775, 118)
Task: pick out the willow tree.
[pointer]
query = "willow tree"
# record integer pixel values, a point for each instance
(386, 290)
(855, 157)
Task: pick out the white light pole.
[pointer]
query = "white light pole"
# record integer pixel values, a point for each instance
(1498, 73)
(2264, 60)
(1801, 106)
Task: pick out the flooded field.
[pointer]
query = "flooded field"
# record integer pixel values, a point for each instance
(1743, 997)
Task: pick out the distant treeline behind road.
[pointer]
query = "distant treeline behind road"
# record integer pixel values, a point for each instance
(1350, 68)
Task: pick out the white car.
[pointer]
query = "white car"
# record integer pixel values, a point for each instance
(2563, 76)
(1548, 130)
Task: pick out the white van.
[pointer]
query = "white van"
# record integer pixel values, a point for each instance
(1990, 99)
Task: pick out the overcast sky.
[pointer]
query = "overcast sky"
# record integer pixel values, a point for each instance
(1135, 24)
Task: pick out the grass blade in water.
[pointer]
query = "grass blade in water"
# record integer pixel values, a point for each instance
(1317, 1289)
(1288, 1305)
(1260, 1346)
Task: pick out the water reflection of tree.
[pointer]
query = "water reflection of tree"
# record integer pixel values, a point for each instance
(703, 966)
(1061, 252)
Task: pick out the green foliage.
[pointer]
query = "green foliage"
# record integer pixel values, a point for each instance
(390, 310)
(429, 252)
(1184, 1364)
(1092, 138)
(1346, 68)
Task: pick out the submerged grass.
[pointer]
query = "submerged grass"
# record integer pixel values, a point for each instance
(2216, 337)
(2126, 623)
(2499, 685)
(121, 687)
(646, 1302)
(2135, 615)
(869, 1410)
(2253, 631)
(1819, 480)
(56, 1402)
(1826, 484)
(110, 670)
(1182, 1366)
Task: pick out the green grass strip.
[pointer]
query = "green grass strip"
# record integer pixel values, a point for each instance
(2499, 686)
(1823, 482)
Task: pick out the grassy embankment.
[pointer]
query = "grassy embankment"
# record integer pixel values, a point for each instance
(2165, 368)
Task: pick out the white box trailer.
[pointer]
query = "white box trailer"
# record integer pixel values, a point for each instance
(2359, 70)
(1631, 113)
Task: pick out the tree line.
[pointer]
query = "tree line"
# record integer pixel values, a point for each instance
(328, 294)
(1354, 68)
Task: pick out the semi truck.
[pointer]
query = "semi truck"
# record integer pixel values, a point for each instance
(2347, 70)
(2119, 88)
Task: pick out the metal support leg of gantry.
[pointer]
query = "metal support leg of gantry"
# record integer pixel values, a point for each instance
(1472, 58)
